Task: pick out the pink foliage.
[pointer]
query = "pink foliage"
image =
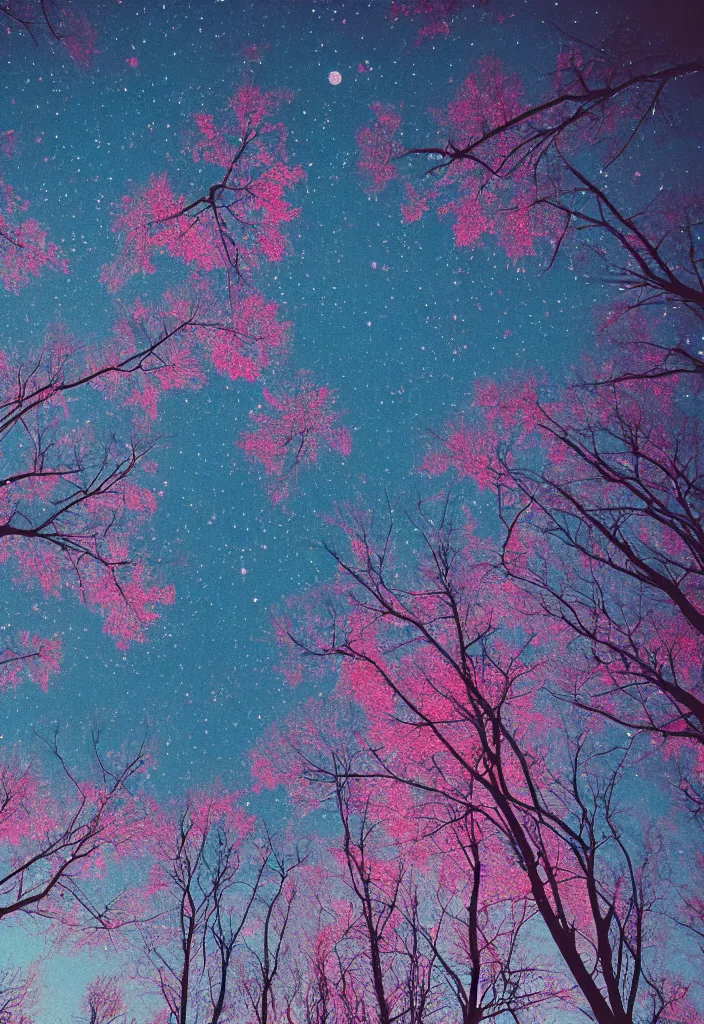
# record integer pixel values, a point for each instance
(197, 892)
(378, 146)
(104, 1001)
(79, 37)
(239, 221)
(200, 816)
(164, 347)
(128, 603)
(63, 23)
(480, 202)
(300, 422)
(57, 839)
(253, 53)
(72, 503)
(435, 15)
(219, 807)
(276, 759)
(514, 406)
(458, 729)
(263, 771)
(24, 249)
(27, 808)
(34, 658)
(255, 338)
(493, 172)
(593, 491)
(510, 413)
(466, 450)
(8, 143)
(139, 222)
(416, 204)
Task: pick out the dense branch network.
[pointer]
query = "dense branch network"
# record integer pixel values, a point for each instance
(457, 726)
(513, 171)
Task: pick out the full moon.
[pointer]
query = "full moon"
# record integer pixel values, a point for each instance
(334, 78)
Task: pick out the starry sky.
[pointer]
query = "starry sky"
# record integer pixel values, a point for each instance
(390, 315)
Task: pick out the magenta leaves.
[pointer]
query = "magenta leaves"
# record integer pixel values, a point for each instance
(224, 236)
(434, 16)
(511, 170)
(461, 747)
(25, 251)
(600, 498)
(47, 20)
(33, 658)
(238, 222)
(57, 840)
(71, 501)
(300, 421)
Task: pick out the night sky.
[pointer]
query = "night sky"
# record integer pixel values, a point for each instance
(392, 316)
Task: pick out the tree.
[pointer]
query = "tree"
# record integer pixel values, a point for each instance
(541, 178)
(435, 15)
(640, 349)
(224, 235)
(72, 500)
(17, 996)
(187, 938)
(104, 1003)
(510, 169)
(58, 836)
(215, 911)
(269, 947)
(437, 934)
(25, 251)
(70, 503)
(451, 692)
(434, 921)
(237, 222)
(376, 888)
(35, 659)
(601, 501)
(290, 436)
(45, 19)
